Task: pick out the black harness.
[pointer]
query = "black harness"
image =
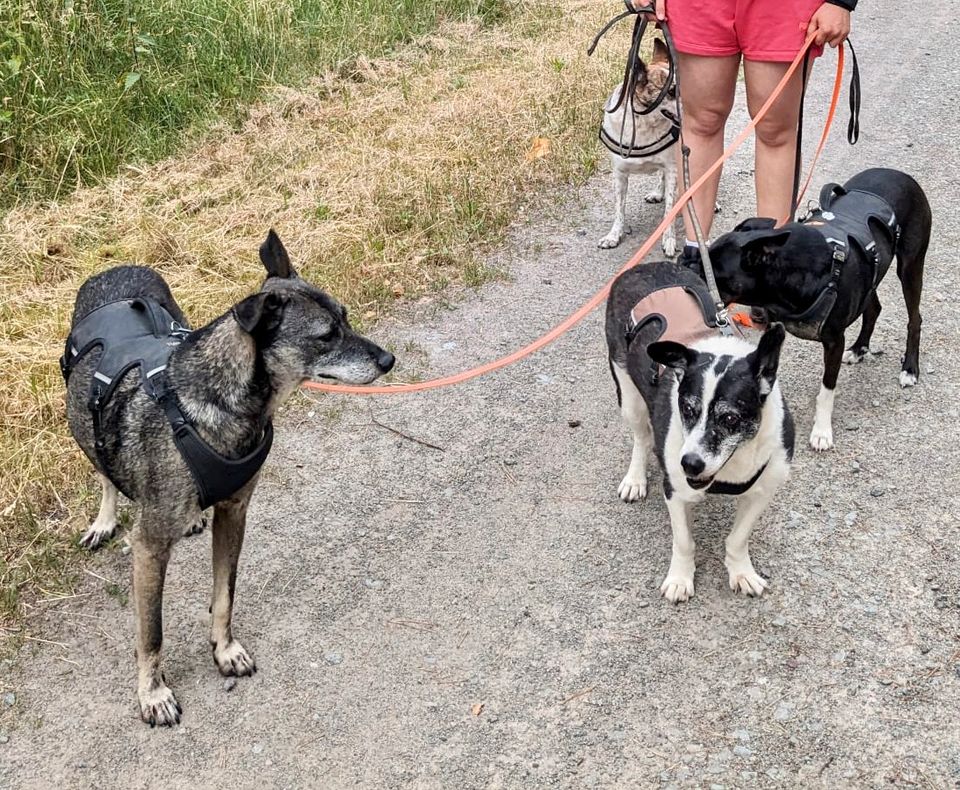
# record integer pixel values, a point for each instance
(843, 219)
(142, 333)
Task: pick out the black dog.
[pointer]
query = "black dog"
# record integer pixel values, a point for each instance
(819, 275)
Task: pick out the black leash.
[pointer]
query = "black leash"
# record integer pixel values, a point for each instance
(853, 126)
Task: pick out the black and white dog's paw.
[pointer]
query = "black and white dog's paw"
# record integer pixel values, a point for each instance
(158, 706)
(855, 355)
(633, 487)
(821, 438)
(654, 196)
(744, 579)
(98, 534)
(678, 586)
(197, 526)
(233, 659)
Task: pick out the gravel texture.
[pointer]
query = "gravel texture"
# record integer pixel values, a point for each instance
(487, 614)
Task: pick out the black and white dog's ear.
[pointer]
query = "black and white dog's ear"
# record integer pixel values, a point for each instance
(765, 360)
(672, 355)
(757, 250)
(756, 223)
(274, 257)
(260, 315)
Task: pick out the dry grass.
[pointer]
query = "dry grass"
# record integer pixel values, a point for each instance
(383, 182)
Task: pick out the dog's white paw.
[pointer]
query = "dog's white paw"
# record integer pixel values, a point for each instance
(678, 586)
(609, 241)
(158, 706)
(821, 439)
(98, 534)
(632, 487)
(744, 579)
(233, 659)
(907, 379)
(669, 245)
(654, 196)
(852, 356)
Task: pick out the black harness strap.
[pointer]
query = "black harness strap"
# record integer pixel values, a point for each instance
(142, 333)
(735, 489)
(633, 151)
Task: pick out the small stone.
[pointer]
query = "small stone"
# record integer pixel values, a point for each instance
(125, 549)
(784, 711)
(547, 281)
(574, 423)
(742, 751)
(742, 735)
(851, 518)
(582, 232)
(878, 491)
(373, 584)
(643, 604)
(257, 748)
(311, 414)
(229, 684)
(9, 699)
(510, 461)
(876, 403)
(4, 738)
(792, 663)
(314, 665)
(717, 787)
(779, 622)
(930, 371)
(333, 658)
(855, 466)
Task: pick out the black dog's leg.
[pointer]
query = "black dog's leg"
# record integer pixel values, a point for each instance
(821, 437)
(158, 705)
(229, 523)
(910, 272)
(861, 346)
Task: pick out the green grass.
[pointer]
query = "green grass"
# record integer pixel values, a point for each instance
(88, 86)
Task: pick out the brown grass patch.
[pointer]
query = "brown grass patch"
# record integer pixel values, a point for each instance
(383, 181)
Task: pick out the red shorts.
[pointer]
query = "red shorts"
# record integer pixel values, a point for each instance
(765, 30)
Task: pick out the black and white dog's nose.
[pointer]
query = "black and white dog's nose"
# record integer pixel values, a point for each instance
(385, 361)
(692, 464)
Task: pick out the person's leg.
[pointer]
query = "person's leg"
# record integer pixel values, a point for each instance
(707, 88)
(776, 143)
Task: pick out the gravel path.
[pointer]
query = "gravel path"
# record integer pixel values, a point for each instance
(487, 614)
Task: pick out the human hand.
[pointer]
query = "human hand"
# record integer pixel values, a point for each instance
(660, 8)
(831, 23)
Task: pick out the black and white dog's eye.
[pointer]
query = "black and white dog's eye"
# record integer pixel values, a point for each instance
(730, 421)
(688, 410)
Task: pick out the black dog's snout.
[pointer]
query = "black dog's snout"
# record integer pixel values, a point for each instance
(385, 361)
(692, 464)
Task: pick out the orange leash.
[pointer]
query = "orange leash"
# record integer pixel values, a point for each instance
(594, 301)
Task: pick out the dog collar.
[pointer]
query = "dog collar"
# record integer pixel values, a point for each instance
(735, 489)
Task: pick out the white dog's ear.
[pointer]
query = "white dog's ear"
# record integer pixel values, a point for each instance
(660, 54)
(766, 358)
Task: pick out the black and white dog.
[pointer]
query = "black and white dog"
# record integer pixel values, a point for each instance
(710, 406)
(820, 275)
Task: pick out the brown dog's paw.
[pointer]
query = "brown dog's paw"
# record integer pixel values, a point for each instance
(233, 659)
(196, 527)
(99, 533)
(158, 706)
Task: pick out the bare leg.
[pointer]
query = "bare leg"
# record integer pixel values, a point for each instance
(635, 414)
(678, 586)
(613, 238)
(821, 437)
(707, 87)
(776, 136)
(105, 525)
(229, 523)
(743, 578)
(157, 703)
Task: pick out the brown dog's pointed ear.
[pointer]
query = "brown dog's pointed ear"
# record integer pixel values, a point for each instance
(259, 315)
(660, 53)
(274, 257)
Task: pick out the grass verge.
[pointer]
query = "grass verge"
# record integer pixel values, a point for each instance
(384, 182)
(91, 85)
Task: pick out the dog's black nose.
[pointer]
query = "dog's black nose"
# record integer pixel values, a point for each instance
(385, 361)
(692, 464)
